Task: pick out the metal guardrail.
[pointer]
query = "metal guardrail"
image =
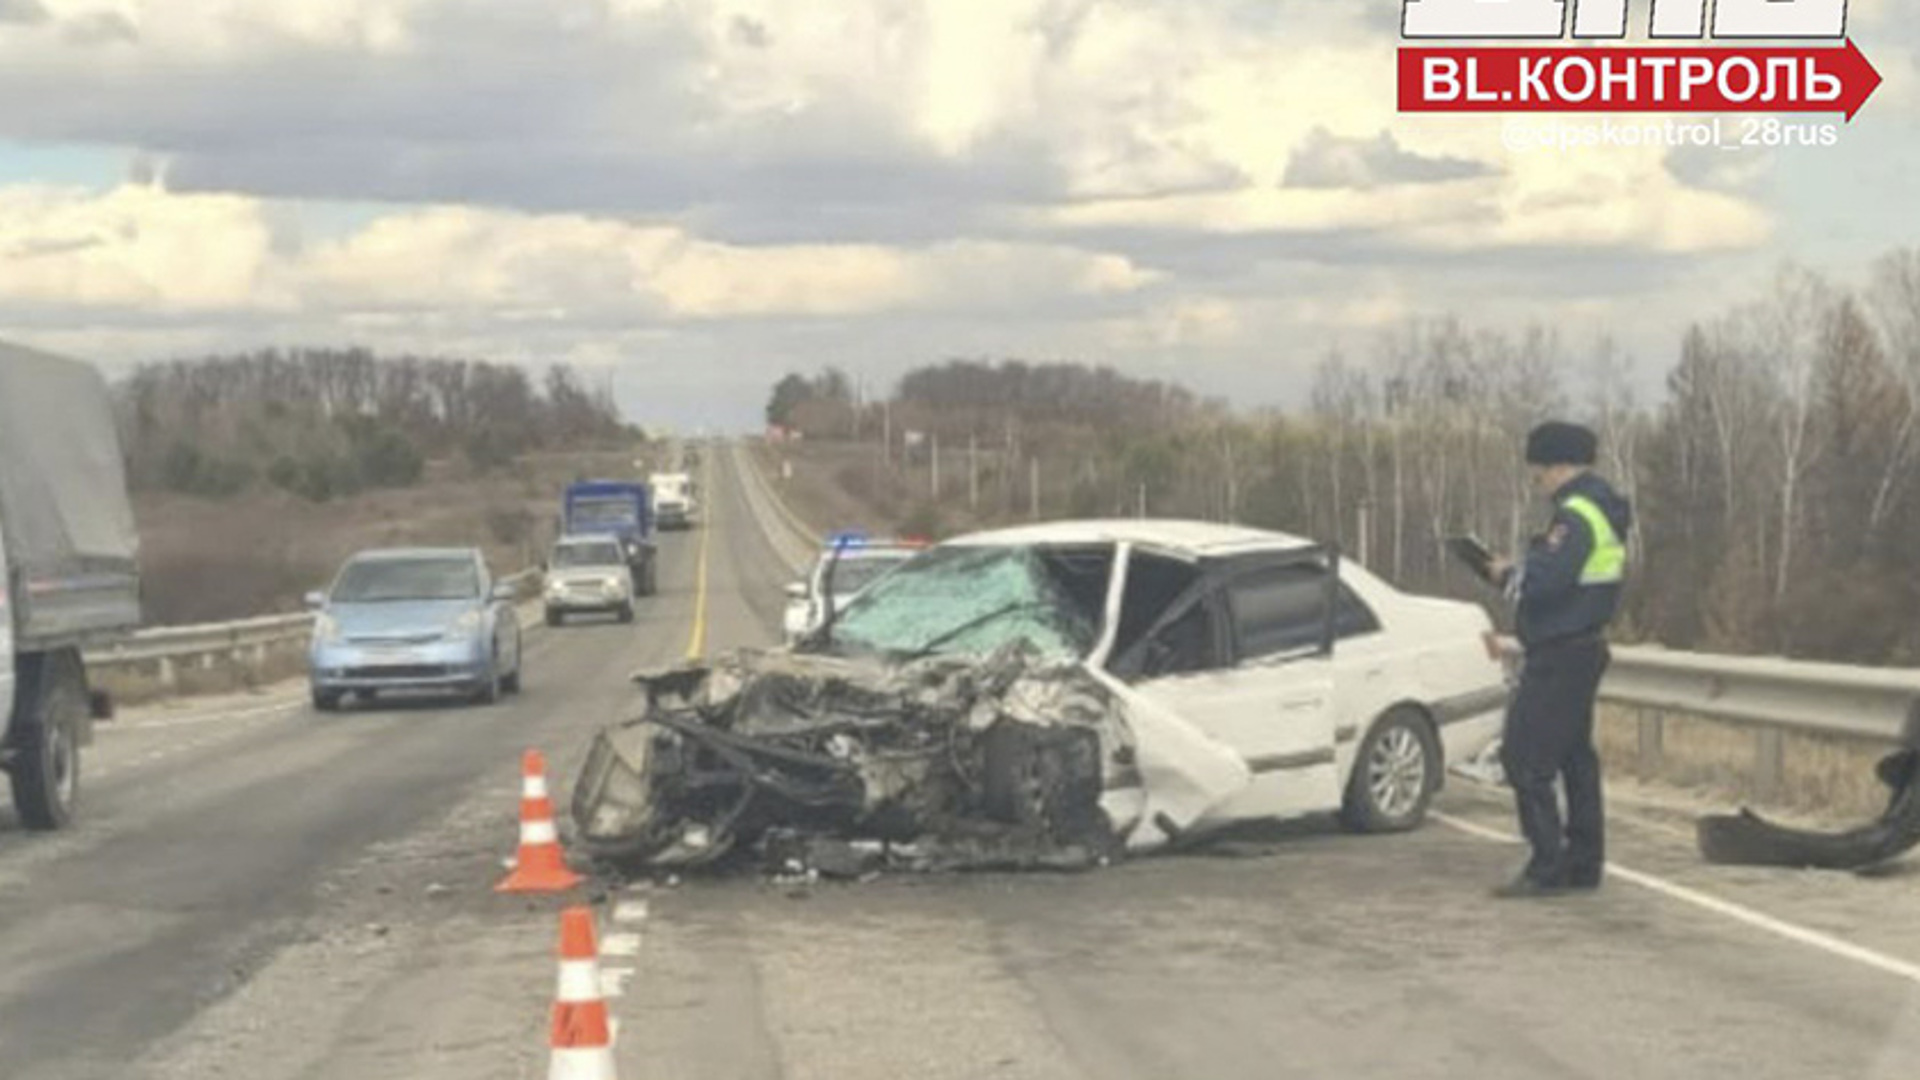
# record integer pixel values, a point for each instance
(1838, 701)
(168, 645)
(1834, 700)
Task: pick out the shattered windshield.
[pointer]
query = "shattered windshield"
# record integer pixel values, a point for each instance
(850, 575)
(966, 601)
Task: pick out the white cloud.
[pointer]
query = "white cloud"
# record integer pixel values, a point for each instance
(134, 247)
(868, 178)
(138, 247)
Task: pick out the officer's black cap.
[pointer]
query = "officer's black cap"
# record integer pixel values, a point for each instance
(1557, 442)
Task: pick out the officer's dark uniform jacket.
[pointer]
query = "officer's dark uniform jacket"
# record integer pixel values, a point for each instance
(1570, 584)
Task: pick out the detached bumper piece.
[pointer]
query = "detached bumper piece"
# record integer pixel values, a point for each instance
(1747, 839)
(842, 768)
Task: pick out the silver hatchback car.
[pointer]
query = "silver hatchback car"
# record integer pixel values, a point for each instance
(415, 619)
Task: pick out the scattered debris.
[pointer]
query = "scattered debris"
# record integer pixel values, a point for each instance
(436, 890)
(828, 767)
(1748, 839)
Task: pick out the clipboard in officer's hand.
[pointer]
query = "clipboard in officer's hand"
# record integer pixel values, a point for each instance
(1474, 554)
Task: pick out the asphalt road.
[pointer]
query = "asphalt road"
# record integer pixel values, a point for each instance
(260, 891)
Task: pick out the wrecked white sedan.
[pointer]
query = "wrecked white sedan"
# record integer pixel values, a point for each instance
(1053, 695)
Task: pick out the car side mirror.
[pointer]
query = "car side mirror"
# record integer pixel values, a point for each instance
(315, 601)
(796, 590)
(505, 592)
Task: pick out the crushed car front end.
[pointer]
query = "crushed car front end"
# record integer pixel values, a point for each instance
(963, 762)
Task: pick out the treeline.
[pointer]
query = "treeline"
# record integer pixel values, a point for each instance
(323, 423)
(1773, 473)
(973, 398)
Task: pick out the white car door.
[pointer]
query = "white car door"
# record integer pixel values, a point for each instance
(1270, 700)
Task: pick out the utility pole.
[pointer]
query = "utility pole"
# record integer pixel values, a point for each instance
(859, 403)
(1365, 546)
(1033, 488)
(973, 472)
(886, 432)
(1142, 511)
(935, 437)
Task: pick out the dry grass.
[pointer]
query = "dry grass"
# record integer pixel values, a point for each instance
(214, 560)
(816, 491)
(1817, 775)
(846, 485)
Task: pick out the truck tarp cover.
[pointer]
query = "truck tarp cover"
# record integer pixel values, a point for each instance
(62, 482)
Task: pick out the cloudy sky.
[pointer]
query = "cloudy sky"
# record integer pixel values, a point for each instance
(695, 195)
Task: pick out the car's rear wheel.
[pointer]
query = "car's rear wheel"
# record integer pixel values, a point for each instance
(1395, 774)
(326, 700)
(626, 613)
(555, 618)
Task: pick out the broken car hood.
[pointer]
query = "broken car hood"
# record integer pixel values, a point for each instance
(1008, 759)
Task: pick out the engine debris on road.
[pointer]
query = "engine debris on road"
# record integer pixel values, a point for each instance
(847, 766)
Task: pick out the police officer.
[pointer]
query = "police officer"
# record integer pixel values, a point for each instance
(1567, 590)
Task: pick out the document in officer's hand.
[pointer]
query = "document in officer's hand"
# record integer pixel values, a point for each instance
(1474, 554)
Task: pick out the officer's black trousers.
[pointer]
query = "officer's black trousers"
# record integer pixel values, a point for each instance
(1549, 734)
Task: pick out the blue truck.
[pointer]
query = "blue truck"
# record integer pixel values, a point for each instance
(622, 509)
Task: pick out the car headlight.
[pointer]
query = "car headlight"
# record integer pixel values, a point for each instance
(464, 627)
(326, 630)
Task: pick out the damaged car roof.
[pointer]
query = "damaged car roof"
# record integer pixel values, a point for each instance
(1204, 538)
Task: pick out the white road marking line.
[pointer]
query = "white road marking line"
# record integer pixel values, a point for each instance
(621, 945)
(630, 911)
(1739, 913)
(613, 982)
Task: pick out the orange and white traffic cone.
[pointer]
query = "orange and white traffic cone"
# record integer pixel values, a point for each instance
(582, 1041)
(541, 866)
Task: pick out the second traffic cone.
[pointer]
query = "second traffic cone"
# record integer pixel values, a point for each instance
(582, 1041)
(541, 866)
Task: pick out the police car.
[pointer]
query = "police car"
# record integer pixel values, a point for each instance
(852, 560)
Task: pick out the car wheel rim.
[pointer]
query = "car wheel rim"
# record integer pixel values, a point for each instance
(1397, 771)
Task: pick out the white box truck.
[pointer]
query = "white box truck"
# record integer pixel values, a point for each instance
(69, 571)
(674, 505)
